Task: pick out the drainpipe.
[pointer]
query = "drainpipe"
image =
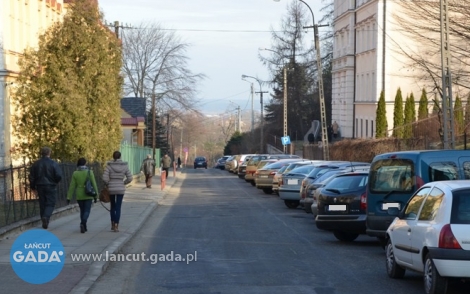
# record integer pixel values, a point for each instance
(354, 77)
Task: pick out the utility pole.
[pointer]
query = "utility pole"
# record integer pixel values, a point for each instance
(239, 119)
(261, 119)
(252, 111)
(447, 107)
(117, 26)
(154, 122)
(326, 151)
(285, 107)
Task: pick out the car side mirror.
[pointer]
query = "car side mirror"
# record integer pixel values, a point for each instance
(393, 211)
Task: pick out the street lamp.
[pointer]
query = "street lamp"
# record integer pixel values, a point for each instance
(316, 39)
(252, 109)
(262, 118)
(285, 97)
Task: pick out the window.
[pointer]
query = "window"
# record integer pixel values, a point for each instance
(443, 171)
(392, 175)
(466, 170)
(413, 206)
(460, 207)
(431, 205)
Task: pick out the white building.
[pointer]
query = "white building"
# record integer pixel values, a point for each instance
(365, 62)
(21, 23)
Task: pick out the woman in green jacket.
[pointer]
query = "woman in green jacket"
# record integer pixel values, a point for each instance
(77, 185)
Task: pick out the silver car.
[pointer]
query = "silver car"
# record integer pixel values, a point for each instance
(291, 181)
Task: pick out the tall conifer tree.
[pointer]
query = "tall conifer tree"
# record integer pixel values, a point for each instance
(398, 115)
(381, 118)
(70, 89)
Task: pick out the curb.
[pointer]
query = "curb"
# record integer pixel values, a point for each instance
(97, 268)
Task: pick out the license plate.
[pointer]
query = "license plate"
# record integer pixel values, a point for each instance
(386, 206)
(337, 208)
(292, 182)
(263, 176)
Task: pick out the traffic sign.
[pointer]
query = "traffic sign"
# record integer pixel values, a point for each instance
(285, 140)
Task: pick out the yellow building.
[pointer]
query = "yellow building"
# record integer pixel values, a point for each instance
(21, 23)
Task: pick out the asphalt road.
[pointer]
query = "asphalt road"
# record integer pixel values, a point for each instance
(246, 242)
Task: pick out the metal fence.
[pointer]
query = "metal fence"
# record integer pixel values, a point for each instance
(18, 203)
(134, 155)
(16, 200)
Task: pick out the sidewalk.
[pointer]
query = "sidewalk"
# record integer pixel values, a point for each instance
(79, 276)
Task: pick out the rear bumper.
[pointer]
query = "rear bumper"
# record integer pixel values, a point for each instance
(286, 194)
(346, 223)
(451, 262)
(377, 225)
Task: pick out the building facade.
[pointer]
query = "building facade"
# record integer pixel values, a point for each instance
(21, 24)
(366, 60)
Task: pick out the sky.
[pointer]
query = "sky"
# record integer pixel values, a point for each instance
(224, 37)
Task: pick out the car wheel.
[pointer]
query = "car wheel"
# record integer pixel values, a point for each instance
(433, 282)
(345, 236)
(253, 183)
(394, 271)
(268, 190)
(291, 203)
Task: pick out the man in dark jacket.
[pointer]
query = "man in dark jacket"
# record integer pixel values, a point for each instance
(166, 164)
(148, 168)
(44, 176)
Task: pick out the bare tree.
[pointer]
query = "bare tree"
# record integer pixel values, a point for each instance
(420, 22)
(156, 67)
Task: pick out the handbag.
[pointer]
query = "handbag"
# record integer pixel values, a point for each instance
(104, 195)
(89, 190)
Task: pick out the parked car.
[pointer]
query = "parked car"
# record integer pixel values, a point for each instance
(242, 168)
(306, 193)
(395, 176)
(265, 175)
(261, 165)
(200, 161)
(430, 235)
(251, 165)
(315, 191)
(289, 191)
(323, 172)
(277, 179)
(341, 206)
(220, 164)
(228, 163)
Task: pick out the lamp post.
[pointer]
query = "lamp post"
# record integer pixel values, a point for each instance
(252, 109)
(285, 97)
(262, 118)
(316, 39)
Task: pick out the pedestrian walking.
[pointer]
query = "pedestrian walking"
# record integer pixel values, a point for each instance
(116, 176)
(148, 168)
(44, 176)
(77, 188)
(166, 164)
(179, 162)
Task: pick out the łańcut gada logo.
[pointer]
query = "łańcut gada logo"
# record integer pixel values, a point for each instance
(37, 256)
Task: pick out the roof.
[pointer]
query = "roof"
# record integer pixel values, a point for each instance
(131, 121)
(134, 106)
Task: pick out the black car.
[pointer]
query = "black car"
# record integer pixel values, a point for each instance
(341, 206)
(200, 162)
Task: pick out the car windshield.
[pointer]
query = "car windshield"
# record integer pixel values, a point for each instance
(348, 183)
(303, 170)
(263, 163)
(282, 169)
(328, 174)
(255, 160)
